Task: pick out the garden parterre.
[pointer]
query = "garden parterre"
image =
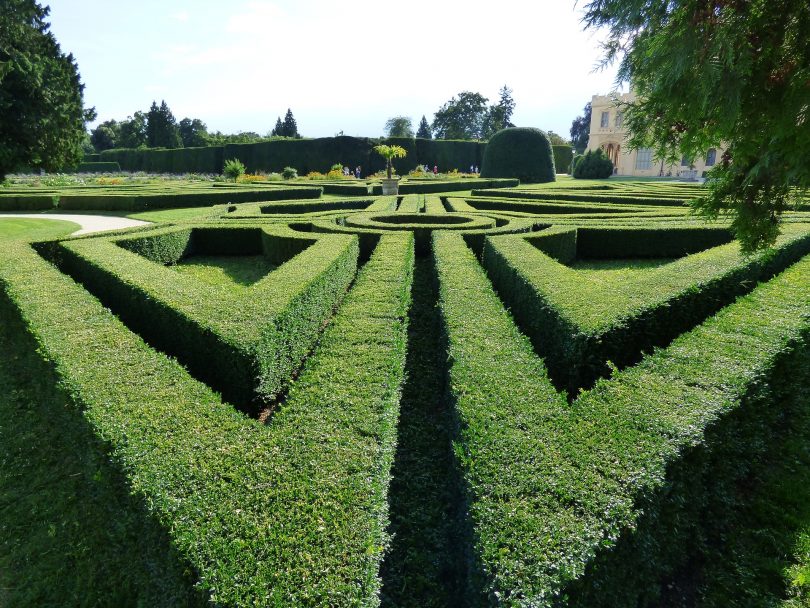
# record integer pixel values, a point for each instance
(610, 374)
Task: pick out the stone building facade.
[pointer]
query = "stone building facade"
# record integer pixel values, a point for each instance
(608, 132)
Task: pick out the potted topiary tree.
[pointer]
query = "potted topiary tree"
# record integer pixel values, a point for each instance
(390, 185)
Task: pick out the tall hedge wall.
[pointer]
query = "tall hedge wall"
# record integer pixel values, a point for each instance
(563, 155)
(304, 154)
(181, 160)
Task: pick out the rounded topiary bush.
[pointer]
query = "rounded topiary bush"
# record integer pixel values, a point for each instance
(519, 152)
(594, 165)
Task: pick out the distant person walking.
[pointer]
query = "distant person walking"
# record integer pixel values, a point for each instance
(435, 169)
(357, 171)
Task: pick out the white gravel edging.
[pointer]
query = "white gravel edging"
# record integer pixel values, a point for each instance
(89, 223)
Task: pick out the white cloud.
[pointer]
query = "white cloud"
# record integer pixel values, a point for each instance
(350, 66)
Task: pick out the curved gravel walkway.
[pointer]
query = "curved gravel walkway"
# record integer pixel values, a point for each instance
(89, 223)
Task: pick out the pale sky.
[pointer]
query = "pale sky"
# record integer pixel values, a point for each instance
(340, 66)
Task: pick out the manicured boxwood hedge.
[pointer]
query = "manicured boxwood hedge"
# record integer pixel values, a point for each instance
(542, 208)
(597, 503)
(429, 186)
(421, 224)
(556, 195)
(314, 206)
(349, 189)
(72, 533)
(246, 345)
(578, 324)
(215, 482)
(141, 201)
(34, 202)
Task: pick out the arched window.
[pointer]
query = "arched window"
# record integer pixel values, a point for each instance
(711, 157)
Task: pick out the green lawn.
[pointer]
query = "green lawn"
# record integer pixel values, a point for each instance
(617, 270)
(231, 271)
(25, 229)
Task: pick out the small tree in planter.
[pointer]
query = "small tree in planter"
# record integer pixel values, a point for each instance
(390, 185)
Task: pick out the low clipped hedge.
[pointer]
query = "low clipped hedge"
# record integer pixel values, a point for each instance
(72, 533)
(142, 201)
(600, 503)
(618, 243)
(521, 153)
(432, 187)
(579, 325)
(34, 202)
(245, 345)
(542, 208)
(556, 195)
(421, 224)
(346, 189)
(499, 390)
(314, 207)
(287, 514)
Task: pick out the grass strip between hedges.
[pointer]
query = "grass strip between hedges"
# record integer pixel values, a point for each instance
(551, 488)
(287, 514)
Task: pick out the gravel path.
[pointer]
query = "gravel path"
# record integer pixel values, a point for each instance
(89, 223)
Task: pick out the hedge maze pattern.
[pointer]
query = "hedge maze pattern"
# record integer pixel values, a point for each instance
(517, 398)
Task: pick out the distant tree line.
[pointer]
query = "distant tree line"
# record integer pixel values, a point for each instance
(466, 116)
(158, 128)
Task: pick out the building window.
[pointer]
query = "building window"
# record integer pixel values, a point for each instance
(644, 159)
(619, 120)
(686, 161)
(605, 120)
(711, 157)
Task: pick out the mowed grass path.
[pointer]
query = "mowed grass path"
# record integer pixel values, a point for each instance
(24, 229)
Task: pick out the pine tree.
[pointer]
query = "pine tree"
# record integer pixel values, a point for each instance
(42, 113)
(424, 129)
(711, 73)
(161, 127)
(499, 115)
(290, 127)
(278, 130)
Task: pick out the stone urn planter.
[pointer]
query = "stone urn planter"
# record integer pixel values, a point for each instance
(390, 186)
